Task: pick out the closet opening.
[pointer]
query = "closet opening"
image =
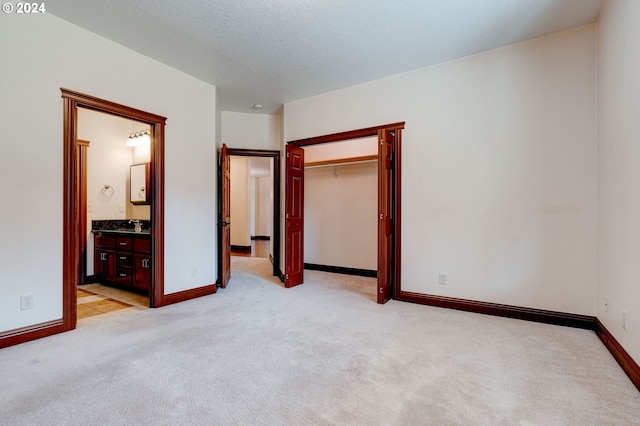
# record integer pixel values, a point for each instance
(380, 146)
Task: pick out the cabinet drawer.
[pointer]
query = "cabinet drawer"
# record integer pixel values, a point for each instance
(142, 244)
(124, 243)
(124, 277)
(124, 259)
(104, 241)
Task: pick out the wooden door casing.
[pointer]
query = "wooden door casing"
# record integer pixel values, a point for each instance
(389, 200)
(386, 143)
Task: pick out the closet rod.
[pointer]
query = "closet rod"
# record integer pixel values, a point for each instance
(342, 162)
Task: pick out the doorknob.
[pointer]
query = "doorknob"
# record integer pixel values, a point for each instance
(225, 223)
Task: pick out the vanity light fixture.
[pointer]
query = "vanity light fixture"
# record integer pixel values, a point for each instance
(139, 138)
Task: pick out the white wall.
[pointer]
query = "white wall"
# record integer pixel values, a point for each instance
(498, 169)
(264, 206)
(340, 221)
(251, 131)
(240, 201)
(42, 54)
(108, 161)
(619, 172)
(339, 150)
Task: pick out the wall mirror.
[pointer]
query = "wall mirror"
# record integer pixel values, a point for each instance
(139, 183)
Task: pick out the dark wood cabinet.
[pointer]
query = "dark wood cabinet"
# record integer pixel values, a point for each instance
(123, 260)
(142, 271)
(104, 263)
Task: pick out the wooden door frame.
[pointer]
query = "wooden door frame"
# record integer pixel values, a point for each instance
(373, 132)
(74, 239)
(275, 234)
(83, 146)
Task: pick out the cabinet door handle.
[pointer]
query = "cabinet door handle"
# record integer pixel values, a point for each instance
(123, 244)
(103, 256)
(123, 274)
(123, 257)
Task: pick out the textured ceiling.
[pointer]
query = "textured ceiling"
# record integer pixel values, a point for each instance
(276, 51)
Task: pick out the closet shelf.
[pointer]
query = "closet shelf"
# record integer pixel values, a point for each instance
(341, 161)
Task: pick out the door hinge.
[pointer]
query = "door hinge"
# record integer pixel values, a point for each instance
(287, 155)
(381, 290)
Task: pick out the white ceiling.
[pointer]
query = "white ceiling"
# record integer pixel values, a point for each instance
(276, 51)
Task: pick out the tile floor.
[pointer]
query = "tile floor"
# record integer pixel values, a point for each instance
(96, 301)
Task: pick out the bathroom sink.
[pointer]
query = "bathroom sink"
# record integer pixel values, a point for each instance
(122, 231)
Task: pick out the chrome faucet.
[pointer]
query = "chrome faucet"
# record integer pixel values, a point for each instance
(137, 225)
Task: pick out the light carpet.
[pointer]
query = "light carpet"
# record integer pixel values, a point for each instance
(320, 353)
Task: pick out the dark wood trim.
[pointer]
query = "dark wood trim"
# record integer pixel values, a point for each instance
(241, 152)
(97, 104)
(82, 194)
(629, 366)
(71, 251)
(192, 293)
(342, 270)
(397, 213)
(351, 134)
(156, 166)
(261, 237)
(32, 332)
(73, 101)
(497, 309)
(626, 362)
(242, 249)
(276, 200)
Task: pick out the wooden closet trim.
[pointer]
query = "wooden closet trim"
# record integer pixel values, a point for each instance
(397, 186)
(350, 134)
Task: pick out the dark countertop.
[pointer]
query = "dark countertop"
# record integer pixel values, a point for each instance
(121, 231)
(120, 226)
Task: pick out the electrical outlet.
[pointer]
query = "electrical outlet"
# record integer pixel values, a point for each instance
(26, 302)
(442, 279)
(624, 320)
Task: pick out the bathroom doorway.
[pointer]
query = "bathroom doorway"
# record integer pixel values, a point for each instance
(115, 279)
(75, 199)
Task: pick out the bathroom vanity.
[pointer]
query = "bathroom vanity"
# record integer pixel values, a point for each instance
(122, 258)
